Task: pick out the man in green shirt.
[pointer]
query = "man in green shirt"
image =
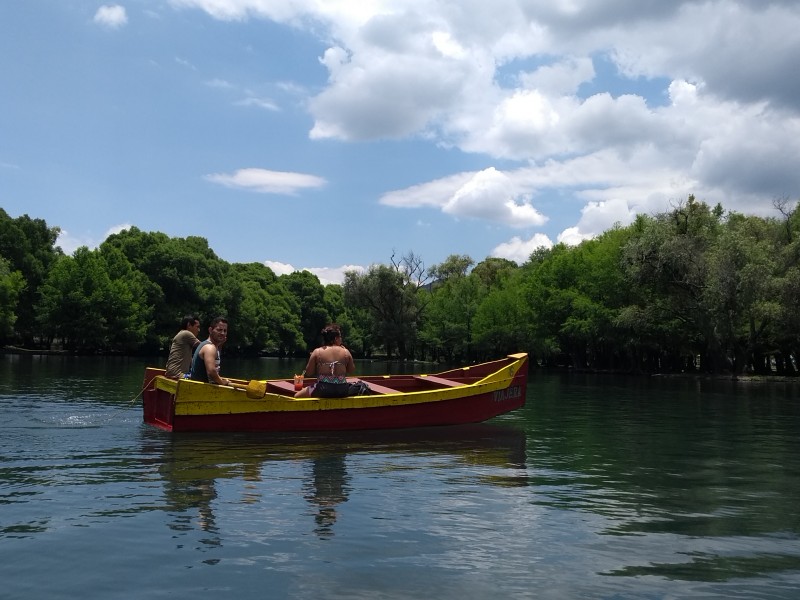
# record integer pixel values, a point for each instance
(183, 345)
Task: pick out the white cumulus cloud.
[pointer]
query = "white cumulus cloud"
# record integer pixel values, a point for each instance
(326, 275)
(111, 16)
(489, 195)
(601, 109)
(268, 182)
(69, 243)
(520, 250)
(279, 268)
(492, 195)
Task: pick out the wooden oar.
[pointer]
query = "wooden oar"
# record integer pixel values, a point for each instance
(255, 389)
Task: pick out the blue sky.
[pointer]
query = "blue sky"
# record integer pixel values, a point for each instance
(330, 135)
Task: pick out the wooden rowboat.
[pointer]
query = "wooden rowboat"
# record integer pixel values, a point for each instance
(465, 395)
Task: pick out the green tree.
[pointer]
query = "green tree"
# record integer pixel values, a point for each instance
(504, 320)
(356, 320)
(453, 266)
(264, 316)
(448, 325)
(390, 296)
(310, 294)
(741, 289)
(29, 247)
(492, 271)
(358, 337)
(128, 315)
(185, 277)
(11, 284)
(787, 292)
(500, 323)
(667, 261)
(90, 307)
(454, 297)
(787, 323)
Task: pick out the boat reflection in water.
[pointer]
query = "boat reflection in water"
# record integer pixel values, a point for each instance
(194, 466)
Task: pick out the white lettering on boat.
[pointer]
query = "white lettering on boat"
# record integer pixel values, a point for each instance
(514, 391)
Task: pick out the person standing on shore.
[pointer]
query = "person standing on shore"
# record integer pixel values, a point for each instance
(183, 344)
(206, 359)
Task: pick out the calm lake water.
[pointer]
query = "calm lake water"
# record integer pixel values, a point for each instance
(601, 487)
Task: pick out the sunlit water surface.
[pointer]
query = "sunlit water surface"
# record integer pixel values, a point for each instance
(601, 487)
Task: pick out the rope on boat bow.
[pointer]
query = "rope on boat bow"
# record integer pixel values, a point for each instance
(141, 391)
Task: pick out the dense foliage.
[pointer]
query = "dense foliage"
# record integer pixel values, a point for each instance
(691, 289)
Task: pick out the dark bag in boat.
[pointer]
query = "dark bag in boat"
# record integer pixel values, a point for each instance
(359, 388)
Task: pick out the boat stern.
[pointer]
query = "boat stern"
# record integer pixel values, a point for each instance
(158, 397)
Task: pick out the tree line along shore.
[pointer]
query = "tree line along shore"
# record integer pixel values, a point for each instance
(694, 289)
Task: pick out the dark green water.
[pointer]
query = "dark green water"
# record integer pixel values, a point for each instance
(601, 487)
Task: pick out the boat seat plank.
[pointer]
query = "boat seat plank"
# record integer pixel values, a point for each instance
(375, 387)
(283, 386)
(381, 389)
(288, 386)
(439, 380)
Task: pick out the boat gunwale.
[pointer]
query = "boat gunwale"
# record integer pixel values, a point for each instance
(489, 383)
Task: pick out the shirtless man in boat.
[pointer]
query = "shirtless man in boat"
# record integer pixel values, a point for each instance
(206, 359)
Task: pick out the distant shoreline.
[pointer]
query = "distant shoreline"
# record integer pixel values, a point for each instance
(26, 351)
(745, 378)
